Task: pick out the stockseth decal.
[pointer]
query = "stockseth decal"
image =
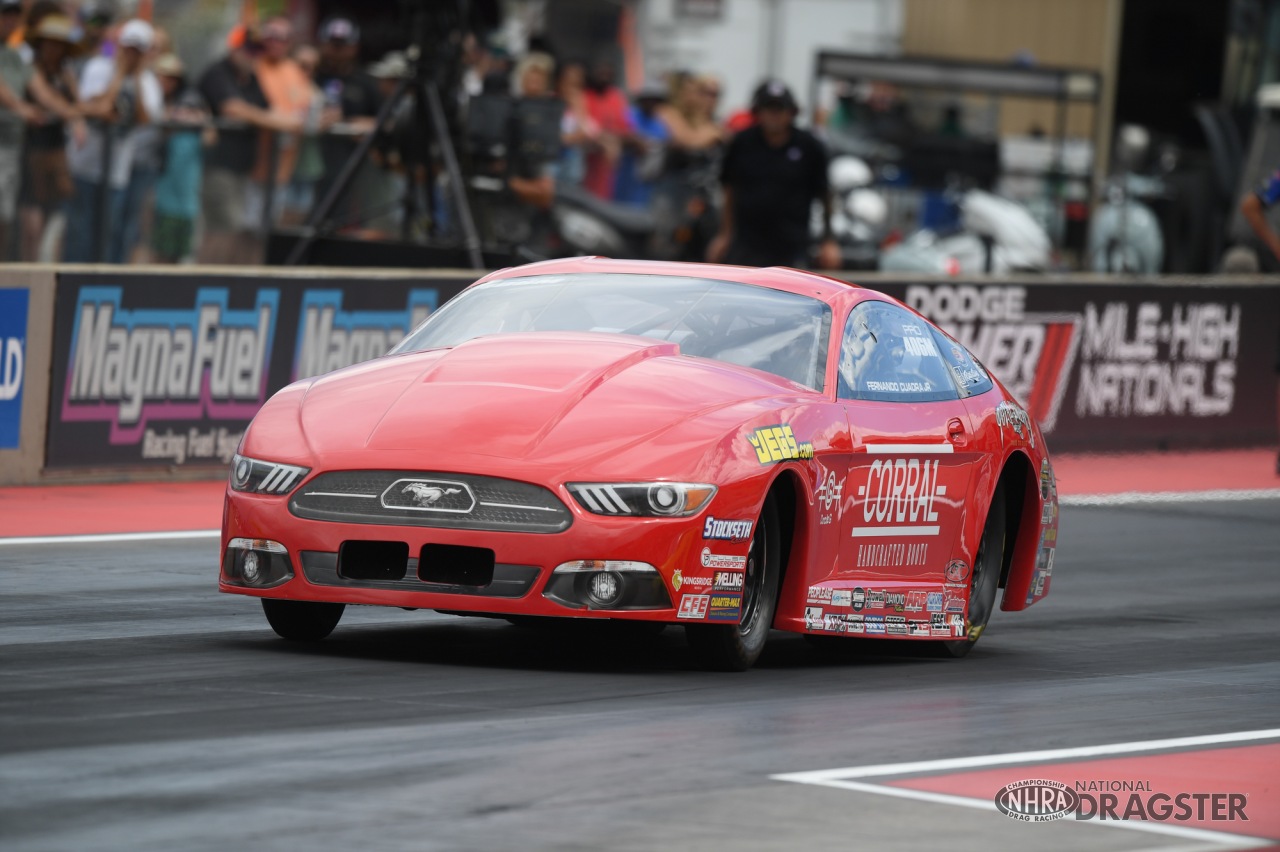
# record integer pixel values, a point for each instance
(130, 367)
(330, 338)
(778, 443)
(716, 528)
(13, 359)
(899, 494)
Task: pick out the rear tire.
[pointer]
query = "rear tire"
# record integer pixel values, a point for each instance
(736, 647)
(302, 621)
(985, 581)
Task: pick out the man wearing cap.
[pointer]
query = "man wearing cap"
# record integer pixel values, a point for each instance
(15, 114)
(772, 173)
(642, 157)
(122, 95)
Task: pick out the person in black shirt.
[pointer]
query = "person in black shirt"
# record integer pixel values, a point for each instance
(772, 173)
(231, 203)
(355, 94)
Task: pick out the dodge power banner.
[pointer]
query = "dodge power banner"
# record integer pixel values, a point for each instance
(160, 370)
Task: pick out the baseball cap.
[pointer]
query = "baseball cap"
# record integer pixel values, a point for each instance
(773, 93)
(137, 34)
(339, 29)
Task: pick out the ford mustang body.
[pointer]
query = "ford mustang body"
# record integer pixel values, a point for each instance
(725, 448)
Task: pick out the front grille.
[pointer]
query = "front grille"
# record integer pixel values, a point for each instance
(430, 499)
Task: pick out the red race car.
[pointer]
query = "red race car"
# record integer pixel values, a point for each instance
(725, 448)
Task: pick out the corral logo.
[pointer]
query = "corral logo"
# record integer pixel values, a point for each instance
(898, 498)
(1036, 800)
(331, 338)
(128, 367)
(13, 357)
(1180, 363)
(1031, 353)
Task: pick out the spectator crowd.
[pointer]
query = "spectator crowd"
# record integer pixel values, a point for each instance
(113, 150)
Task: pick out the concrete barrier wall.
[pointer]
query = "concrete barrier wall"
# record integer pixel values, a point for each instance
(155, 372)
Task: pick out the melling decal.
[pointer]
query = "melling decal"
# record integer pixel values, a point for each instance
(128, 367)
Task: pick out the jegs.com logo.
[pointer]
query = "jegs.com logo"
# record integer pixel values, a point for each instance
(1041, 800)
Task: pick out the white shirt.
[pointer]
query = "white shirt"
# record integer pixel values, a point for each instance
(86, 161)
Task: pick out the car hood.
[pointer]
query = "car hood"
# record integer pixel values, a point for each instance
(558, 398)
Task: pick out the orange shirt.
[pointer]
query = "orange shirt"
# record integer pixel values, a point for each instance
(288, 90)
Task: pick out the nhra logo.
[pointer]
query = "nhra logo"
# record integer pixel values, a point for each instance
(131, 366)
(1037, 800)
(332, 338)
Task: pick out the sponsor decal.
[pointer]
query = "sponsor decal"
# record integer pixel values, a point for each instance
(720, 560)
(841, 597)
(915, 601)
(827, 497)
(953, 603)
(331, 338)
(957, 571)
(778, 443)
(938, 625)
(834, 623)
(728, 581)
(895, 600)
(813, 618)
(13, 358)
(898, 498)
(875, 600)
(919, 628)
(895, 625)
(694, 606)
(1010, 415)
(874, 623)
(1170, 359)
(957, 625)
(678, 580)
(718, 528)
(819, 594)
(854, 624)
(725, 607)
(1043, 800)
(1048, 486)
(859, 599)
(892, 555)
(933, 602)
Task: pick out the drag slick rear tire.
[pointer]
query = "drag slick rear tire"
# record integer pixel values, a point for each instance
(984, 582)
(302, 621)
(735, 647)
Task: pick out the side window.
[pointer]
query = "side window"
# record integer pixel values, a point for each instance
(888, 354)
(969, 374)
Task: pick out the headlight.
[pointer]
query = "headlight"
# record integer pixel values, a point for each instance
(263, 477)
(642, 499)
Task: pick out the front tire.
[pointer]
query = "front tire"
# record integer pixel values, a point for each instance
(302, 621)
(985, 581)
(736, 647)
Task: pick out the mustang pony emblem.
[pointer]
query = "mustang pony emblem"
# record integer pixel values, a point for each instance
(428, 495)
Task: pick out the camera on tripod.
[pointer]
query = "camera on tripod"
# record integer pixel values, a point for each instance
(506, 133)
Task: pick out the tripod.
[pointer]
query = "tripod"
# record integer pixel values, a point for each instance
(427, 108)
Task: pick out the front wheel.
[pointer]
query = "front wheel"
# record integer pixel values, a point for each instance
(736, 647)
(985, 581)
(302, 621)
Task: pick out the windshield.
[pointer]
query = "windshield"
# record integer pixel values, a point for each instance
(780, 333)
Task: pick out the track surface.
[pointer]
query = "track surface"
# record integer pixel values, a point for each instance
(141, 710)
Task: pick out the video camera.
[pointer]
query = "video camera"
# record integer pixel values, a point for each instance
(518, 133)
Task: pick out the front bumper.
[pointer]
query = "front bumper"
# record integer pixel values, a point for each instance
(521, 566)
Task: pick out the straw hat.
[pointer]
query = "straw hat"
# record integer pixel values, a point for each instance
(56, 28)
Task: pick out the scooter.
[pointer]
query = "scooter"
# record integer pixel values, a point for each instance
(1125, 235)
(996, 236)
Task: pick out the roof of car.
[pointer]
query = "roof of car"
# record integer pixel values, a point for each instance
(775, 277)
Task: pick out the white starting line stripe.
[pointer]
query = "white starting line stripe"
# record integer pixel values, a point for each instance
(1126, 498)
(842, 779)
(103, 538)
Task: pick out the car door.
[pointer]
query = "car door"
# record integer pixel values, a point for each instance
(912, 460)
